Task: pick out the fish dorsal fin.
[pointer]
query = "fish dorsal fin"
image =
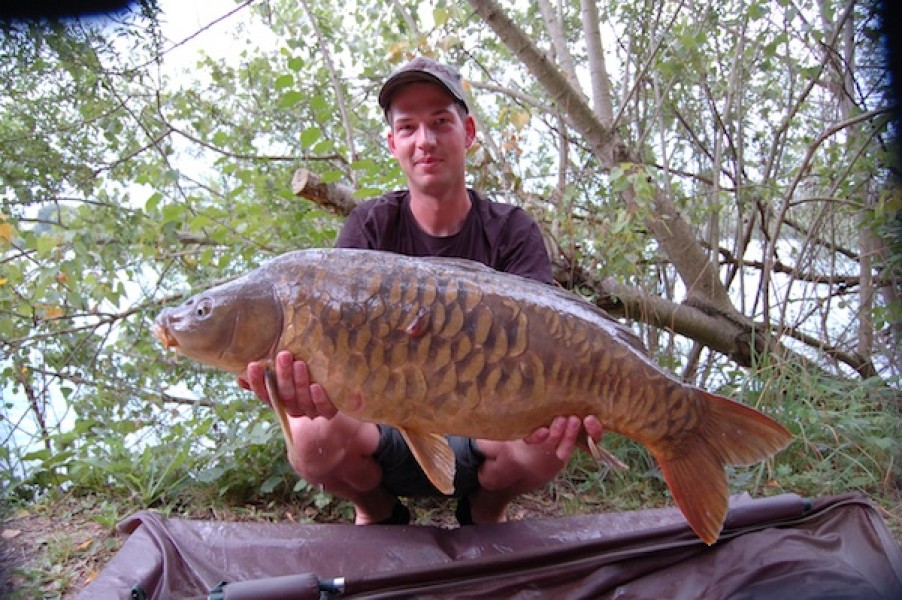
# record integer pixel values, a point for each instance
(628, 336)
(434, 456)
(463, 264)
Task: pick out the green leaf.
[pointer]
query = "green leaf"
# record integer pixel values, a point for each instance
(882, 443)
(173, 213)
(331, 176)
(295, 63)
(319, 103)
(619, 180)
(210, 475)
(44, 244)
(199, 222)
(259, 434)
(221, 138)
(290, 98)
(153, 202)
(644, 190)
(364, 164)
(367, 192)
(271, 484)
(39, 455)
(440, 16)
(285, 81)
(310, 135)
(324, 146)
(757, 10)
(321, 500)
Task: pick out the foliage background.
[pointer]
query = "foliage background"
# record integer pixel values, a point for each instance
(719, 174)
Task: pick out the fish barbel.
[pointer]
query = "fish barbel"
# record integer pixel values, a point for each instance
(438, 346)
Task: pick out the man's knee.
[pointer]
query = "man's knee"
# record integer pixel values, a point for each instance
(515, 465)
(325, 447)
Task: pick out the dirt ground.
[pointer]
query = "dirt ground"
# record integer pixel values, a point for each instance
(52, 552)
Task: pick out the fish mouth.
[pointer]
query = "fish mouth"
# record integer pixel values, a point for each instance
(161, 331)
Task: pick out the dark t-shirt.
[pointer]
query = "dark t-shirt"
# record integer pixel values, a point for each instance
(499, 235)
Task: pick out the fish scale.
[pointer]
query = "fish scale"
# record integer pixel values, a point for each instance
(446, 346)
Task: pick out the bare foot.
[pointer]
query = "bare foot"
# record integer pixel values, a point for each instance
(374, 507)
(488, 507)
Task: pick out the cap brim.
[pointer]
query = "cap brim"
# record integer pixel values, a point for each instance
(407, 77)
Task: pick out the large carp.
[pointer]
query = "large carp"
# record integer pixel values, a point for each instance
(445, 346)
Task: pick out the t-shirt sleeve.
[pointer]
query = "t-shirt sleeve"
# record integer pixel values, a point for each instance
(353, 233)
(522, 250)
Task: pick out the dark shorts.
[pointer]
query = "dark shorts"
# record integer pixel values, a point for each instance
(402, 475)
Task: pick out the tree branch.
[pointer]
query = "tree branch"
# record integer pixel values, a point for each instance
(601, 83)
(559, 89)
(558, 40)
(517, 95)
(335, 198)
(20, 371)
(812, 148)
(117, 387)
(336, 85)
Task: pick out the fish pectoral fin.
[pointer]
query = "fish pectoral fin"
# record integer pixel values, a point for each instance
(434, 456)
(604, 456)
(274, 399)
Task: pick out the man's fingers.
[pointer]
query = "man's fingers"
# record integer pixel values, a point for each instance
(569, 437)
(294, 378)
(298, 395)
(556, 429)
(321, 402)
(594, 428)
(256, 382)
(284, 380)
(538, 436)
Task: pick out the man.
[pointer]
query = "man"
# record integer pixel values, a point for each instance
(431, 129)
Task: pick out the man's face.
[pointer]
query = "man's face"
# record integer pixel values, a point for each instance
(429, 138)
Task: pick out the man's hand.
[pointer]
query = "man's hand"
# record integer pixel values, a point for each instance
(515, 467)
(298, 395)
(563, 435)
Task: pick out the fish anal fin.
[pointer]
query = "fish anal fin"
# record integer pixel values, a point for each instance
(434, 456)
(729, 433)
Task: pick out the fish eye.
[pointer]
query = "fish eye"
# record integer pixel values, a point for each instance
(204, 308)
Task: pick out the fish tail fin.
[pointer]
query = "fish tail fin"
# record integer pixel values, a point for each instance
(693, 465)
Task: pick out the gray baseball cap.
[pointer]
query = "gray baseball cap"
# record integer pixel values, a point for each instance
(422, 69)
